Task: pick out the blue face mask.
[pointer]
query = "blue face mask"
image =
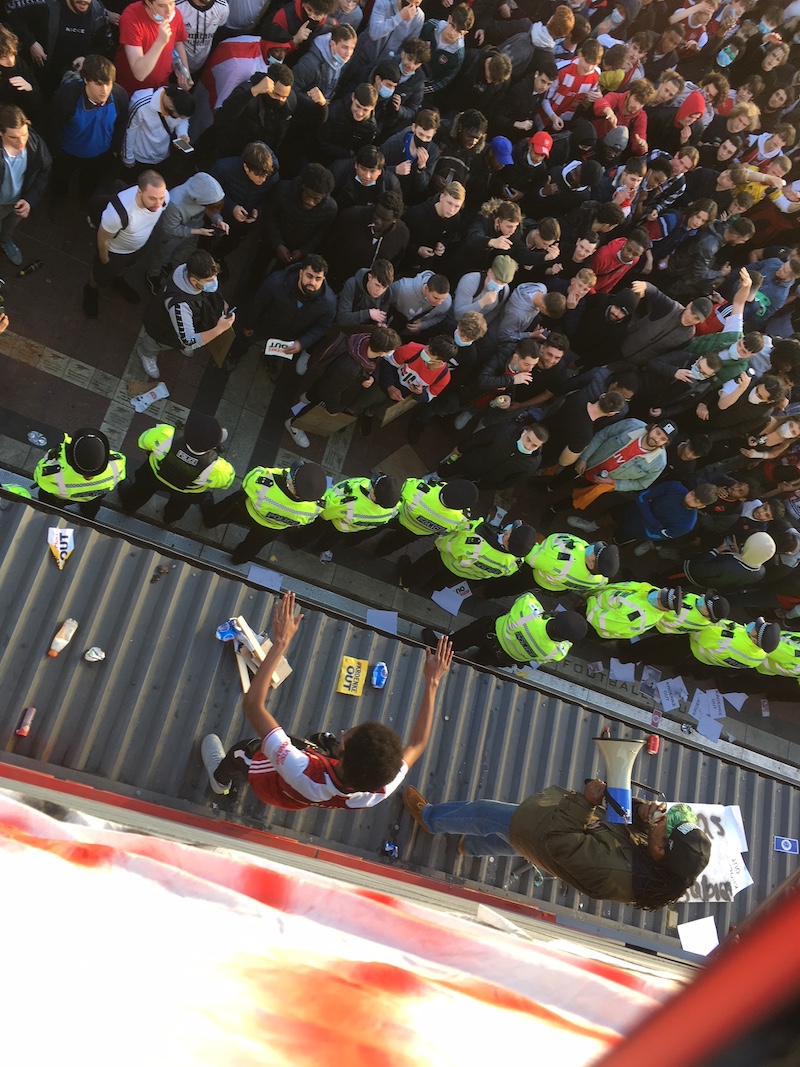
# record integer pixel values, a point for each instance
(385, 91)
(525, 451)
(337, 60)
(212, 286)
(726, 57)
(494, 287)
(460, 341)
(616, 18)
(764, 27)
(367, 185)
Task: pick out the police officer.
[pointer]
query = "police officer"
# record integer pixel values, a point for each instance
(272, 499)
(16, 490)
(733, 644)
(627, 609)
(564, 561)
(352, 510)
(475, 552)
(428, 508)
(186, 464)
(524, 634)
(81, 470)
(699, 610)
(784, 659)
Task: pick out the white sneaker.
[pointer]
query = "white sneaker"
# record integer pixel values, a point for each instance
(577, 523)
(643, 548)
(213, 754)
(326, 556)
(301, 366)
(224, 436)
(299, 437)
(150, 367)
(461, 419)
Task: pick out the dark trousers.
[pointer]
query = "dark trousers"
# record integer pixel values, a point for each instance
(428, 572)
(91, 173)
(480, 634)
(87, 508)
(235, 767)
(322, 536)
(232, 509)
(394, 537)
(145, 485)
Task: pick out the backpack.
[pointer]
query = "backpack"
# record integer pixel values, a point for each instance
(100, 200)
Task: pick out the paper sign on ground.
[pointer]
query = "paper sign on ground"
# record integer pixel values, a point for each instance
(621, 672)
(298, 407)
(382, 620)
(699, 936)
(452, 598)
(669, 693)
(734, 828)
(650, 678)
(710, 728)
(265, 577)
(715, 708)
(736, 699)
(276, 347)
(699, 705)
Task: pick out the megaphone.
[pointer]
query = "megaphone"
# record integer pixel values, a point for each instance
(619, 757)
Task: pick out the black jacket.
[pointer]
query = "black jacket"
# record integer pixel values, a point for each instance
(491, 459)
(349, 244)
(40, 20)
(280, 310)
(244, 118)
(287, 222)
(341, 136)
(349, 193)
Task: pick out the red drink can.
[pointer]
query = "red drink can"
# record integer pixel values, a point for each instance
(653, 744)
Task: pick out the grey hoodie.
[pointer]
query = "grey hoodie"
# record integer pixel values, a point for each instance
(318, 68)
(184, 213)
(522, 47)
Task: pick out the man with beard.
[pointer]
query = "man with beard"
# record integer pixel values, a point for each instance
(603, 327)
(55, 34)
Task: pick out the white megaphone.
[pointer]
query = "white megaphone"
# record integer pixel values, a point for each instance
(619, 757)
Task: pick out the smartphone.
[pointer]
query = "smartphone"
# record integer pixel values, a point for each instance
(230, 313)
(182, 146)
(751, 371)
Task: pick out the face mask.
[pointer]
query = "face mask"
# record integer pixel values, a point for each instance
(212, 286)
(786, 431)
(696, 373)
(531, 162)
(385, 92)
(460, 341)
(426, 358)
(493, 287)
(367, 185)
(525, 451)
(652, 598)
(764, 27)
(337, 60)
(729, 353)
(726, 57)
(271, 60)
(753, 396)
(160, 18)
(616, 18)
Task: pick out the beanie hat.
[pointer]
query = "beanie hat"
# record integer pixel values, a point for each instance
(309, 480)
(202, 432)
(521, 540)
(88, 452)
(387, 490)
(459, 494)
(606, 559)
(673, 598)
(688, 852)
(757, 549)
(717, 606)
(617, 138)
(768, 635)
(566, 626)
(504, 268)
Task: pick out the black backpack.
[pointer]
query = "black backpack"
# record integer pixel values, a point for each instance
(100, 200)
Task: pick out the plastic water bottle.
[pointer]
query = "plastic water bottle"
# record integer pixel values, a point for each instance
(380, 672)
(24, 727)
(63, 637)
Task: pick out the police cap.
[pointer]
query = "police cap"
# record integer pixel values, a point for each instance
(606, 559)
(387, 489)
(717, 607)
(566, 626)
(521, 540)
(459, 494)
(88, 452)
(202, 432)
(308, 480)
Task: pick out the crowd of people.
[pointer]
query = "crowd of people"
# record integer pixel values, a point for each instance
(563, 233)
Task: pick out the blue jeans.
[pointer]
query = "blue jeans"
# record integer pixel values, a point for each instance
(485, 825)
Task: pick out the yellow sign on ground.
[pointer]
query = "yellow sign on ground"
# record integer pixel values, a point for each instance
(352, 676)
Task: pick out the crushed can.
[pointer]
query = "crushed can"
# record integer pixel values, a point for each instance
(390, 851)
(380, 672)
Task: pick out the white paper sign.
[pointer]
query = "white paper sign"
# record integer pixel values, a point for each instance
(699, 936)
(736, 699)
(726, 873)
(276, 347)
(715, 708)
(452, 598)
(669, 693)
(710, 728)
(621, 672)
(264, 576)
(382, 620)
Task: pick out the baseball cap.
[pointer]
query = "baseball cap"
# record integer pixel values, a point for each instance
(501, 146)
(688, 851)
(542, 143)
(606, 559)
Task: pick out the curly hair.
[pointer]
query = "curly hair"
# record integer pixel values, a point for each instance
(372, 757)
(654, 886)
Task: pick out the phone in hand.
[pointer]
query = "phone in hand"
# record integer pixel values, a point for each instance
(182, 146)
(230, 313)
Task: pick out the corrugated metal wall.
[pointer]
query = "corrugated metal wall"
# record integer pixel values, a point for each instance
(137, 719)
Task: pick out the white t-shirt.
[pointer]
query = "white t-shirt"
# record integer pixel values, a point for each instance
(141, 223)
